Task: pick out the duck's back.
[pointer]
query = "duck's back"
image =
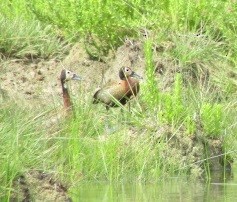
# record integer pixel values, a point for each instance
(109, 93)
(121, 91)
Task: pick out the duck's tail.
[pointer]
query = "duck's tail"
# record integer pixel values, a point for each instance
(95, 97)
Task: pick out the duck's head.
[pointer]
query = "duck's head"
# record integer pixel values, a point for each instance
(67, 75)
(126, 72)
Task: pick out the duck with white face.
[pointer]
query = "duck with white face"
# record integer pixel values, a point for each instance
(67, 75)
(119, 91)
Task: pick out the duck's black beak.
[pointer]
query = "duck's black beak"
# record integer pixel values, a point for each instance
(76, 77)
(135, 75)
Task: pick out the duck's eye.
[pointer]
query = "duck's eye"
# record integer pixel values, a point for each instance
(68, 72)
(127, 70)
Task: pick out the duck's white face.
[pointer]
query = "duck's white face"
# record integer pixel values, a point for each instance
(127, 72)
(67, 75)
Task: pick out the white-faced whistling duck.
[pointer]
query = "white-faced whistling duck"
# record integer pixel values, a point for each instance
(67, 75)
(120, 91)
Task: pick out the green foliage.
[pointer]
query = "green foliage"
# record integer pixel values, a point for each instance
(108, 22)
(119, 146)
(190, 125)
(22, 144)
(96, 145)
(109, 19)
(192, 47)
(105, 20)
(174, 108)
(31, 39)
(151, 88)
(213, 119)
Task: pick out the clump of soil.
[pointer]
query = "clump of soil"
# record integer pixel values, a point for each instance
(31, 82)
(39, 186)
(194, 153)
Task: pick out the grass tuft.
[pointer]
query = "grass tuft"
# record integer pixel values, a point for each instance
(31, 40)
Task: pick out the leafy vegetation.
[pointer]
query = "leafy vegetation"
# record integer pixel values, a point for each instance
(31, 40)
(197, 37)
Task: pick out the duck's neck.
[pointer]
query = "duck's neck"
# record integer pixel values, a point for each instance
(129, 81)
(131, 85)
(66, 97)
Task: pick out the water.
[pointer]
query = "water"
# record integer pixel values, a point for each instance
(175, 189)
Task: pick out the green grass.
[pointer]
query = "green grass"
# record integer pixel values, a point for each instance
(115, 146)
(195, 42)
(31, 40)
(22, 143)
(110, 21)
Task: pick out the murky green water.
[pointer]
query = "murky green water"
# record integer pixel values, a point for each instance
(174, 189)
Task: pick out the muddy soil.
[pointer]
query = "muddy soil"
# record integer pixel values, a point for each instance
(39, 186)
(38, 82)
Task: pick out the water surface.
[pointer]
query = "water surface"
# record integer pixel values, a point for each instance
(219, 189)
